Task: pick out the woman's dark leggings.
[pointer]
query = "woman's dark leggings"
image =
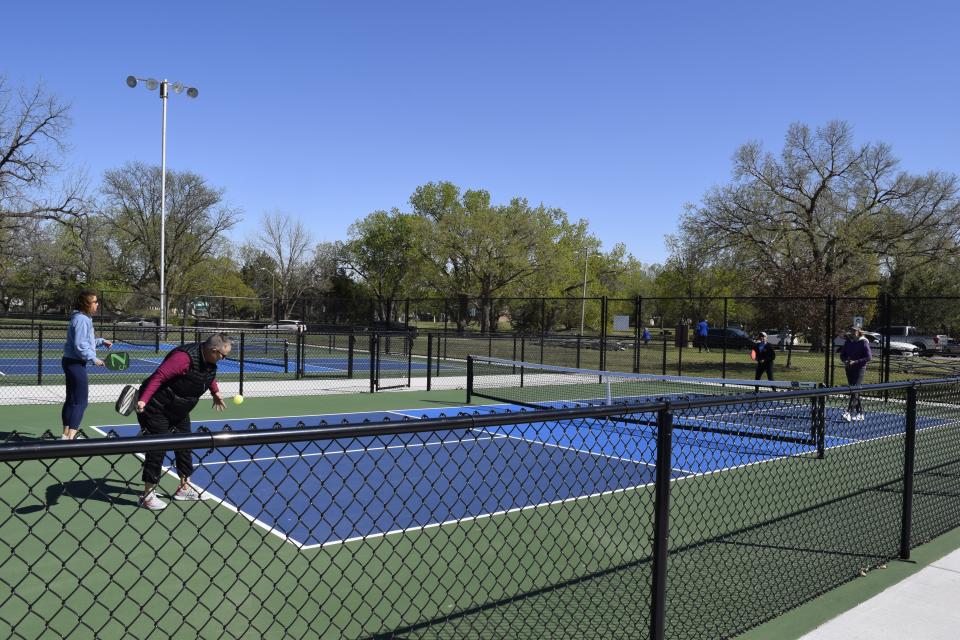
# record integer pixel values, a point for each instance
(156, 423)
(75, 372)
(854, 379)
(764, 367)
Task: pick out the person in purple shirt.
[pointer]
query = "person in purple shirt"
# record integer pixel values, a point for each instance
(855, 354)
(79, 350)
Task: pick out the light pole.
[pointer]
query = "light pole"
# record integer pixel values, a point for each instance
(192, 92)
(273, 293)
(583, 297)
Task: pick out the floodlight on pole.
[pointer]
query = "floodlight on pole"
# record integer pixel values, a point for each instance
(152, 84)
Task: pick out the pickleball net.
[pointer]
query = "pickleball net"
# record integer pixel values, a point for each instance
(540, 386)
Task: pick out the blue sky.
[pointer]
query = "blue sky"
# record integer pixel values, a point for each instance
(616, 112)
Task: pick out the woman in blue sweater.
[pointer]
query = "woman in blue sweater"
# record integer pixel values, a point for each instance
(79, 351)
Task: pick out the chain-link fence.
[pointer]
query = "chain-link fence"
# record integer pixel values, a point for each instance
(493, 523)
(910, 340)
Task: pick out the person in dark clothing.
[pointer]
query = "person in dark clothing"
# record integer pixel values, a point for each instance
(765, 357)
(855, 354)
(703, 330)
(166, 399)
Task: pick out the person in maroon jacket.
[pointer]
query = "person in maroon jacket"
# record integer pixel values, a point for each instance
(165, 401)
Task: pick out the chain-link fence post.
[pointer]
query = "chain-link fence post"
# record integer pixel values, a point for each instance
(909, 451)
(661, 524)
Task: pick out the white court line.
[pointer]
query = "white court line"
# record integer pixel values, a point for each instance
(222, 501)
(469, 519)
(567, 448)
(346, 451)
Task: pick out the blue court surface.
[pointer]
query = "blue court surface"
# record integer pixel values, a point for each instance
(145, 359)
(329, 492)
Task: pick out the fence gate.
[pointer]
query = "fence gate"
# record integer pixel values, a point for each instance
(391, 360)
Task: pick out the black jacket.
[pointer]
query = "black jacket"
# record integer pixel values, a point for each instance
(177, 397)
(767, 354)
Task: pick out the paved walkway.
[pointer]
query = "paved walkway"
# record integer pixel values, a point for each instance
(924, 606)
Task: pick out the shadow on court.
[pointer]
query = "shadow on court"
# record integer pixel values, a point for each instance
(92, 489)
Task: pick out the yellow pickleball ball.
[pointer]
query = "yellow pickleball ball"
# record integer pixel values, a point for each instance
(237, 399)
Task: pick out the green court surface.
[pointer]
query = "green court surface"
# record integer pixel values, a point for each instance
(747, 542)
(35, 419)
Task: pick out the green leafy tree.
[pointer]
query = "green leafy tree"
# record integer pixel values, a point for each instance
(382, 254)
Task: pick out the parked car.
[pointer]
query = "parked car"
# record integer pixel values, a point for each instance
(926, 343)
(292, 326)
(897, 348)
(774, 337)
(952, 348)
(732, 337)
(136, 322)
(585, 343)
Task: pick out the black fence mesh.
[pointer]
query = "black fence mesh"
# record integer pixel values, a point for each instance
(909, 338)
(495, 522)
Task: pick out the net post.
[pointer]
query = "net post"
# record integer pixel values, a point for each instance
(886, 332)
(39, 354)
(638, 313)
(663, 334)
(603, 333)
(243, 343)
(723, 346)
(430, 361)
(351, 351)
(661, 524)
(286, 356)
(408, 341)
(469, 378)
(374, 346)
(828, 332)
(909, 451)
(820, 425)
(298, 365)
(680, 346)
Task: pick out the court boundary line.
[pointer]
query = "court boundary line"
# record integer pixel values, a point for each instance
(349, 451)
(576, 450)
(221, 501)
(469, 519)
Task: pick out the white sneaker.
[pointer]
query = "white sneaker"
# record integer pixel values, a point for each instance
(152, 502)
(846, 416)
(859, 417)
(186, 492)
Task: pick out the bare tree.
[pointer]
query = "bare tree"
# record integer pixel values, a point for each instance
(827, 217)
(33, 126)
(288, 243)
(197, 220)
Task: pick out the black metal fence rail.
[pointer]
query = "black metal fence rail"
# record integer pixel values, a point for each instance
(277, 362)
(571, 523)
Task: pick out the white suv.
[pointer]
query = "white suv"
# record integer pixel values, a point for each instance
(293, 326)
